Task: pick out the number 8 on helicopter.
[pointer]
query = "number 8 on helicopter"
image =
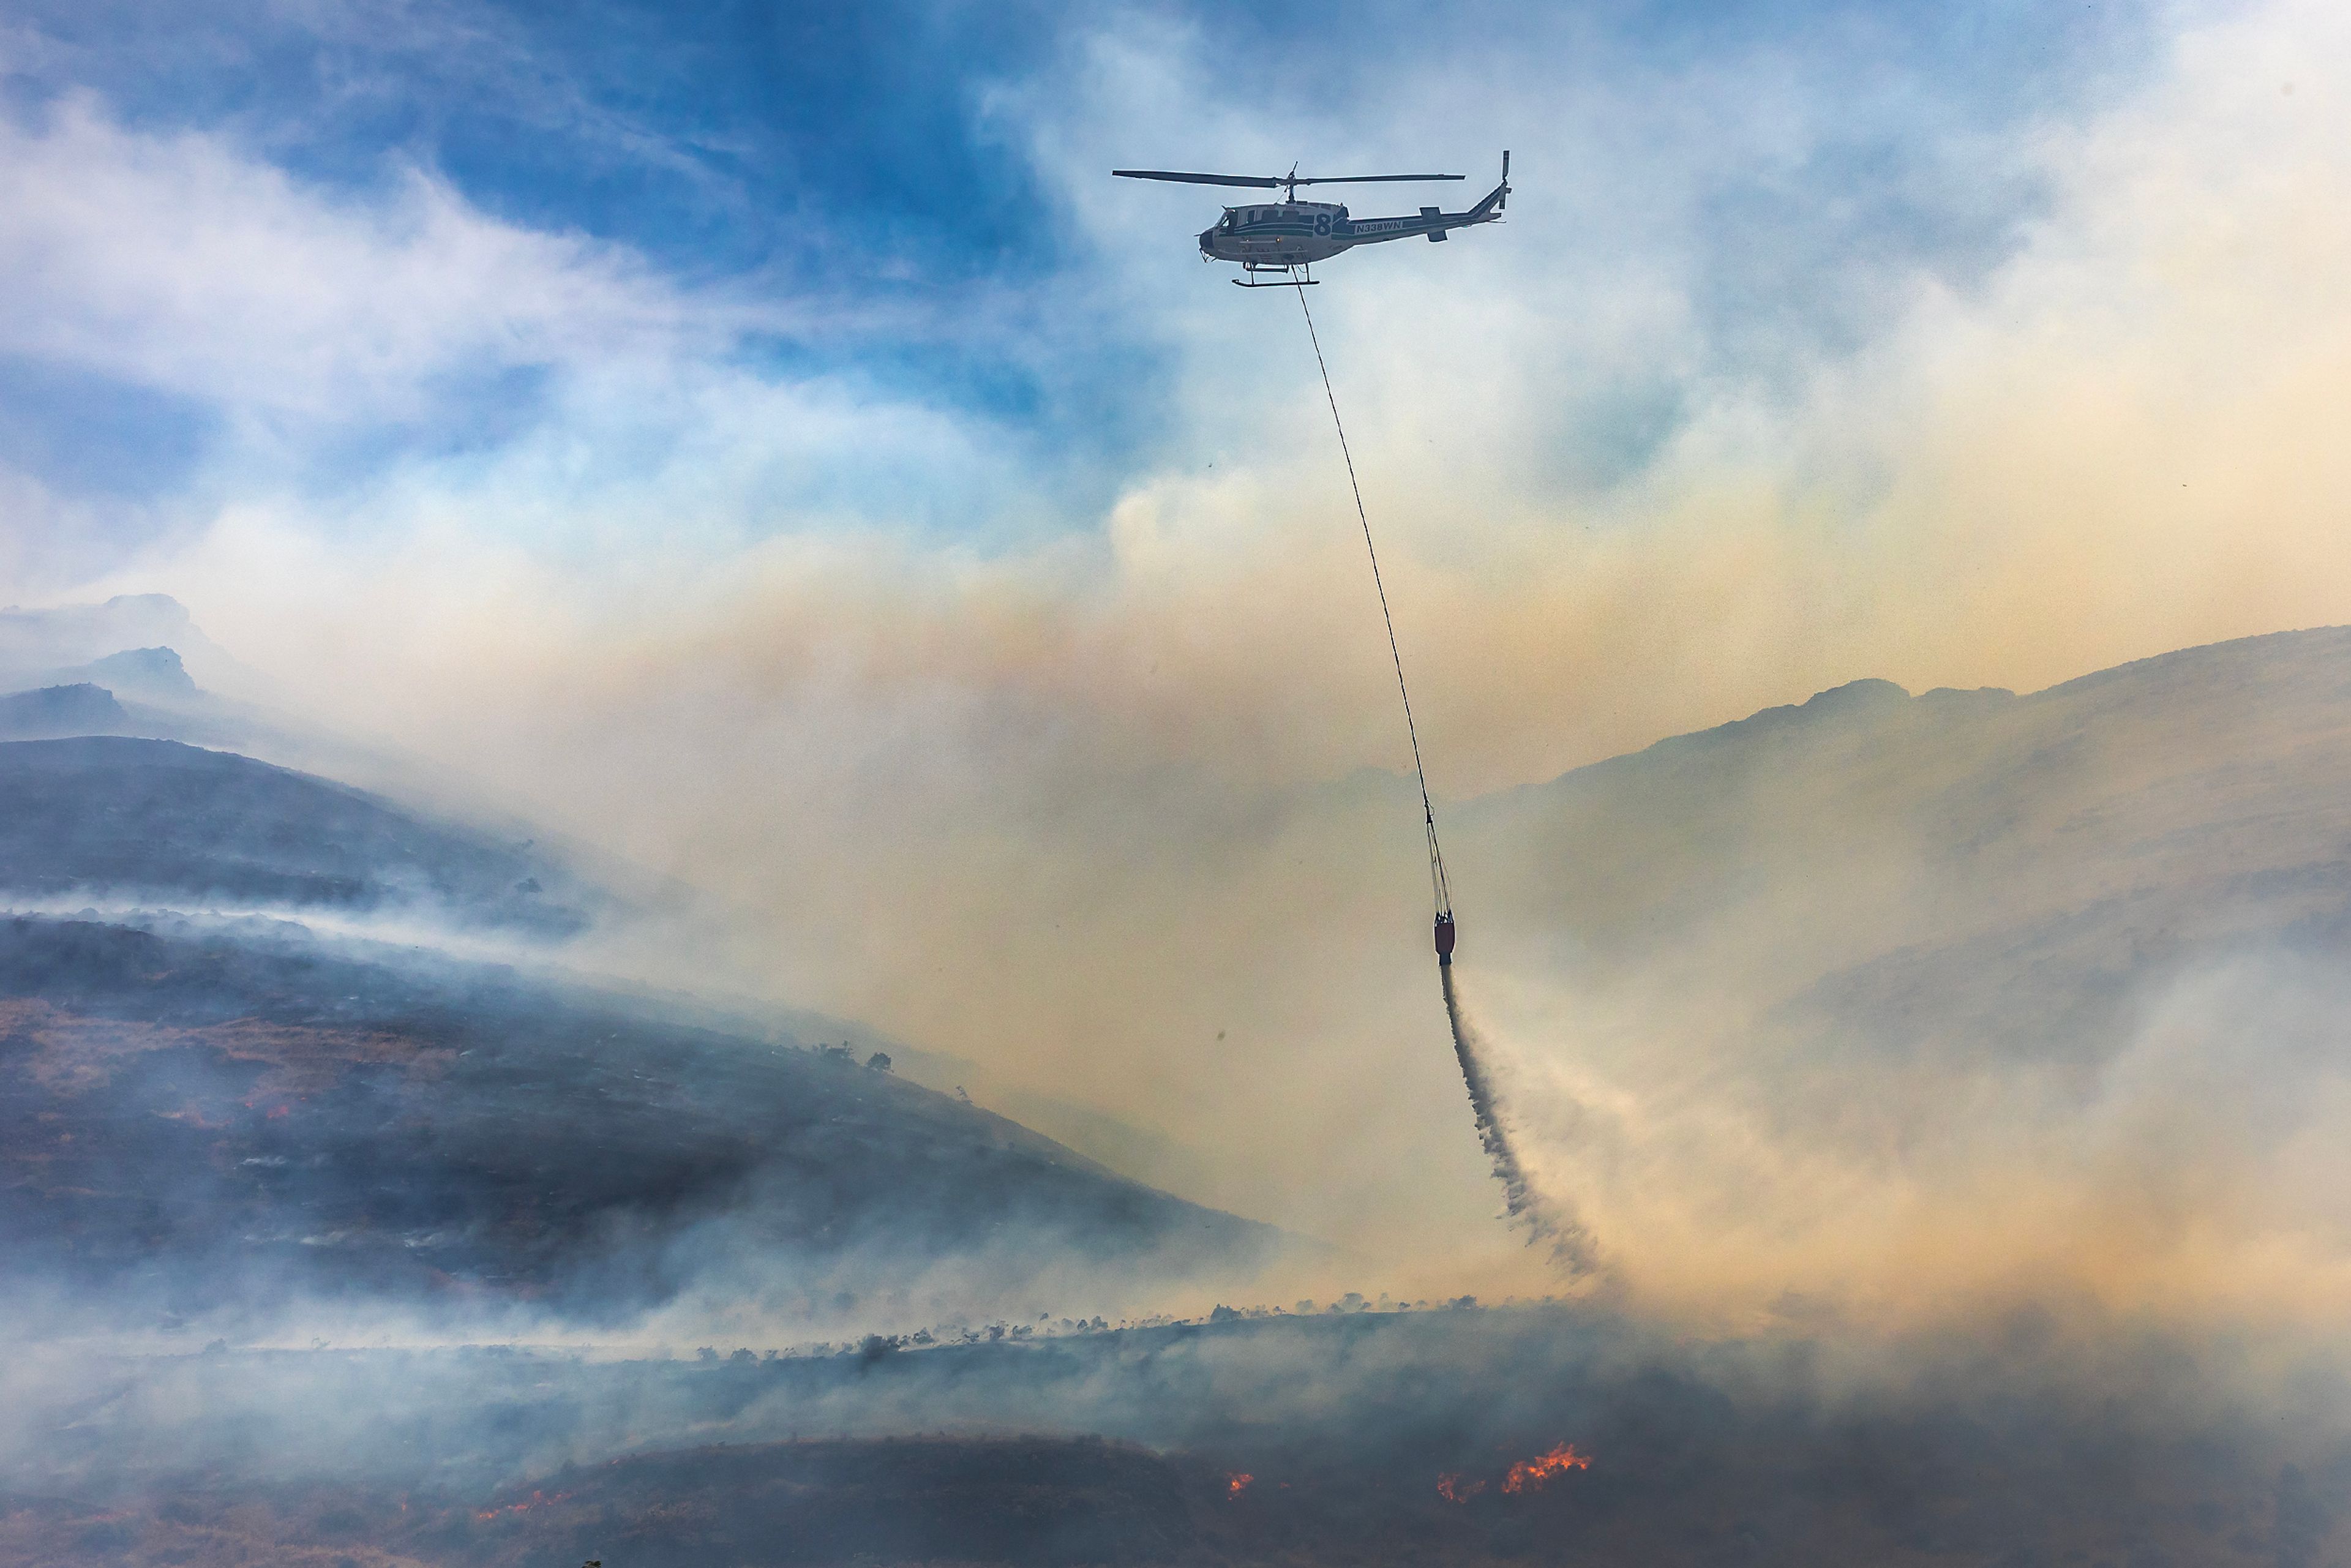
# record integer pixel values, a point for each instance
(1287, 236)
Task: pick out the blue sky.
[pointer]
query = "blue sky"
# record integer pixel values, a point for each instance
(854, 197)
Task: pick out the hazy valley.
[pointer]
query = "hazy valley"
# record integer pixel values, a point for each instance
(330, 1242)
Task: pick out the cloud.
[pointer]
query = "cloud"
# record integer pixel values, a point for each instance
(176, 263)
(371, 359)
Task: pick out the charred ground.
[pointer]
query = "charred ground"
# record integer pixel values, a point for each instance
(189, 1118)
(1330, 1438)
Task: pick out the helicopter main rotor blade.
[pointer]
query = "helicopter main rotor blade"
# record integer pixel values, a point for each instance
(1262, 182)
(1363, 179)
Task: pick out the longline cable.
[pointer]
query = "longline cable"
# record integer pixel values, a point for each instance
(1438, 887)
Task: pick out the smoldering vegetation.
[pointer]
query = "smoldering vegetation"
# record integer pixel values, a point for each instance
(200, 1121)
(1363, 1436)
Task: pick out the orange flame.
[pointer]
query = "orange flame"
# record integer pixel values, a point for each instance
(1535, 1472)
(1237, 1482)
(1450, 1488)
(536, 1500)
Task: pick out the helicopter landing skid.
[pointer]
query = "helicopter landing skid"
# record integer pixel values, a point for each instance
(1292, 277)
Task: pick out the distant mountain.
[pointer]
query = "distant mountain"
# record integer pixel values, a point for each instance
(153, 672)
(1959, 870)
(53, 711)
(169, 681)
(69, 634)
(161, 821)
(35, 642)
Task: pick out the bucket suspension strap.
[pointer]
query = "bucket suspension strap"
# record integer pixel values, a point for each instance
(1437, 888)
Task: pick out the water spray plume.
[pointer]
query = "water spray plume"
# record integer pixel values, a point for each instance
(1570, 1243)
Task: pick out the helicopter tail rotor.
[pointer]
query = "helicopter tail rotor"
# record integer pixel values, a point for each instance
(1491, 208)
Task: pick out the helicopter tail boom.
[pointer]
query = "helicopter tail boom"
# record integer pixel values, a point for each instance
(1434, 223)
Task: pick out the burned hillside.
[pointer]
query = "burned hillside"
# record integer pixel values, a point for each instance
(195, 1118)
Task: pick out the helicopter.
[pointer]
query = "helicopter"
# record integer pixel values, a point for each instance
(1287, 236)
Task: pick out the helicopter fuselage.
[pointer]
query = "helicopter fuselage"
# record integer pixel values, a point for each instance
(1276, 234)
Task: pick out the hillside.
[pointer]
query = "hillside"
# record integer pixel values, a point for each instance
(112, 816)
(203, 1109)
(80, 707)
(191, 1118)
(2182, 803)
